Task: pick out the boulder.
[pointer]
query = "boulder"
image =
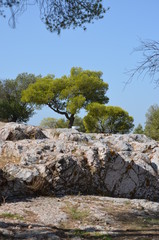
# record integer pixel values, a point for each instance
(70, 162)
(14, 131)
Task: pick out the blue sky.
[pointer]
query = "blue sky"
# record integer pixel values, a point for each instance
(106, 45)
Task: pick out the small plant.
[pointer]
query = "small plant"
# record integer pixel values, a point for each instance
(153, 221)
(79, 232)
(11, 216)
(74, 150)
(75, 213)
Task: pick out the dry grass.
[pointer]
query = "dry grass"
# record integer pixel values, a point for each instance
(30, 216)
(8, 159)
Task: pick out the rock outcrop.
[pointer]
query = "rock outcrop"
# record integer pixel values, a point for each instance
(59, 162)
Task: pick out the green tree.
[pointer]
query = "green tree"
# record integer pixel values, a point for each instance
(54, 123)
(79, 123)
(62, 123)
(12, 109)
(57, 14)
(107, 119)
(67, 95)
(139, 129)
(152, 122)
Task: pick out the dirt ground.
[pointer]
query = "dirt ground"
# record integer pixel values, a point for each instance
(79, 217)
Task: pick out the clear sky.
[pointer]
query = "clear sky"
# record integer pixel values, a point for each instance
(106, 45)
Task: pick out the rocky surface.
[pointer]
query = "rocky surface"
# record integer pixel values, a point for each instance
(79, 218)
(59, 162)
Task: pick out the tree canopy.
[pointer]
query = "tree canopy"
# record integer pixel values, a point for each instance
(107, 119)
(12, 109)
(152, 122)
(57, 14)
(67, 95)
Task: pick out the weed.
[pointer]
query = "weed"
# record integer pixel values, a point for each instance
(11, 216)
(74, 150)
(75, 213)
(154, 221)
(78, 232)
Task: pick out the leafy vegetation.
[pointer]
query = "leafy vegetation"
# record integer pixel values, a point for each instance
(152, 122)
(139, 129)
(151, 125)
(68, 95)
(62, 123)
(12, 109)
(82, 89)
(9, 215)
(75, 213)
(57, 14)
(54, 123)
(107, 119)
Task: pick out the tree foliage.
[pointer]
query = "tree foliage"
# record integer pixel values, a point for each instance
(57, 14)
(12, 109)
(79, 123)
(62, 123)
(139, 129)
(152, 122)
(67, 95)
(54, 123)
(107, 119)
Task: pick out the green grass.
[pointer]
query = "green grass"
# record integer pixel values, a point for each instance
(154, 221)
(11, 216)
(75, 213)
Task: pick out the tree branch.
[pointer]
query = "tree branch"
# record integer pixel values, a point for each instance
(150, 63)
(58, 14)
(59, 111)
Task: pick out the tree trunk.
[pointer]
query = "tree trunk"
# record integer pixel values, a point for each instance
(71, 121)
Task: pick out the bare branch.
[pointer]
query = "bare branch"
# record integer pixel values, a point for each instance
(149, 65)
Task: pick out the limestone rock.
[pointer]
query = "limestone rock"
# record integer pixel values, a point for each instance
(70, 162)
(15, 131)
